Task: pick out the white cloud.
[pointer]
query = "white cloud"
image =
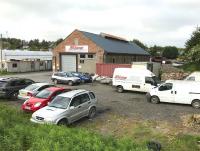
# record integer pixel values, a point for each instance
(166, 22)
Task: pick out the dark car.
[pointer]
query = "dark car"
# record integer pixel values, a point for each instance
(9, 87)
(84, 77)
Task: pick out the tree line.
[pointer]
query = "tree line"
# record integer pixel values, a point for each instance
(34, 45)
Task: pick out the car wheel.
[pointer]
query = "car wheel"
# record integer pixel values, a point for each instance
(92, 113)
(196, 104)
(154, 100)
(70, 83)
(120, 89)
(55, 81)
(63, 122)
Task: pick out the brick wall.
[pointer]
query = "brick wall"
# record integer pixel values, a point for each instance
(82, 40)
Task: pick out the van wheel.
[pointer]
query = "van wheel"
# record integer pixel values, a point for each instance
(70, 83)
(92, 113)
(63, 122)
(120, 89)
(196, 104)
(55, 81)
(154, 100)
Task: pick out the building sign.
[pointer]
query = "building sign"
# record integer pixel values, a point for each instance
(77, 48)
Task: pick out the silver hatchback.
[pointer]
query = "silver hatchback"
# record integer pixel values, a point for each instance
(67, 108)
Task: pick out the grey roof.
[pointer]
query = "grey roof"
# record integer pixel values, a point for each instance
(115, 46)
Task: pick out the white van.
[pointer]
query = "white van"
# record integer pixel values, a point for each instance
(176, 91)
(141, 80)
(195, 76)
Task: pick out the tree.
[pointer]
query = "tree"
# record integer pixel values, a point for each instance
(194, 40)
(194, 54)
(170, 52)
(139, 43)
(156, 50)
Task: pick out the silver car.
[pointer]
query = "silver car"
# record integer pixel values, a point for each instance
(67, 108)
(32, 90)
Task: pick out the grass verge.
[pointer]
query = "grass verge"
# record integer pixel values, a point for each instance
(19, 134)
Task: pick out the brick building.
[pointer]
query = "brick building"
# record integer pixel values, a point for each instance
(80, 51)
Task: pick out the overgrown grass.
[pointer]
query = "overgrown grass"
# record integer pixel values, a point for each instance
(4, 72)
(17, 133)
(190, 67)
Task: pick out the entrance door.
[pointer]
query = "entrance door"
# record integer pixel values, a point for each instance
(68, 62)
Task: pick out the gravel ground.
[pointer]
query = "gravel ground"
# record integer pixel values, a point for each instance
(130, 104)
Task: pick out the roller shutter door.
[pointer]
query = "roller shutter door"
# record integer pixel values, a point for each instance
(68, 62)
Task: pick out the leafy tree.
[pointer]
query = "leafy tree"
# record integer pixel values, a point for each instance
(170, 52)
(139, 43)
(194, 40)
(194, 54)
(156, 50)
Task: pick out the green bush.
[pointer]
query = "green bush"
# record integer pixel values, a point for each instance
(17, 133)
(190, 67)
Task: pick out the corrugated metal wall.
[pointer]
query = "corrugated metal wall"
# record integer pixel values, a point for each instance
(107, 69)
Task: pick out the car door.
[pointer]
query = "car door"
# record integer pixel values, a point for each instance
(85, 103)
(75, 109)
(13, 86)
(165, 92)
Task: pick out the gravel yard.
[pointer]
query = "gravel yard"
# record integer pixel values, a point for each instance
(128, 104)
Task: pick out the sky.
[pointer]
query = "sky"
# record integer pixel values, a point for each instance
(153, 22)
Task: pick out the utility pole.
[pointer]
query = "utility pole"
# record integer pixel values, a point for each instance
(1, 47)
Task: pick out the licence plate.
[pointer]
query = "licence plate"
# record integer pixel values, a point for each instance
(27, 108)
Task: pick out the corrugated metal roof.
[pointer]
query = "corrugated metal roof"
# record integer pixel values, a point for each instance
(115, 46)
(25, 54)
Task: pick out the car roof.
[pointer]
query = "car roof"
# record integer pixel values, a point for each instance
(41, 84)
(72, 93)
(5, 79)
(54, 88)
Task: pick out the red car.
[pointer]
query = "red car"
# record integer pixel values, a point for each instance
(42, 98)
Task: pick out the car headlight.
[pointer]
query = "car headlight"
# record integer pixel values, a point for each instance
(37, 104)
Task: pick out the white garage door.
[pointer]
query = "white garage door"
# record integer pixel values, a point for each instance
(68, 62)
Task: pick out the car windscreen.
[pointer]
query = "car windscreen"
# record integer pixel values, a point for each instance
(44, 94)
(60, 102)
(3, 83)
(31, 87)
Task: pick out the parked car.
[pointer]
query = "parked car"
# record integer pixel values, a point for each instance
(42, 98)
(32, 90)
(9, 87)
(83, 76)
(195, 76)
(141, 80)
(65, 77)
(176, 91)
(67, 108)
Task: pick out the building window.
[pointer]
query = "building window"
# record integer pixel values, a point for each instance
(90, 56)
(124, 60)
(113, 60)
(14, 65)
(75, 41)
(82, 55)
(82, 61)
